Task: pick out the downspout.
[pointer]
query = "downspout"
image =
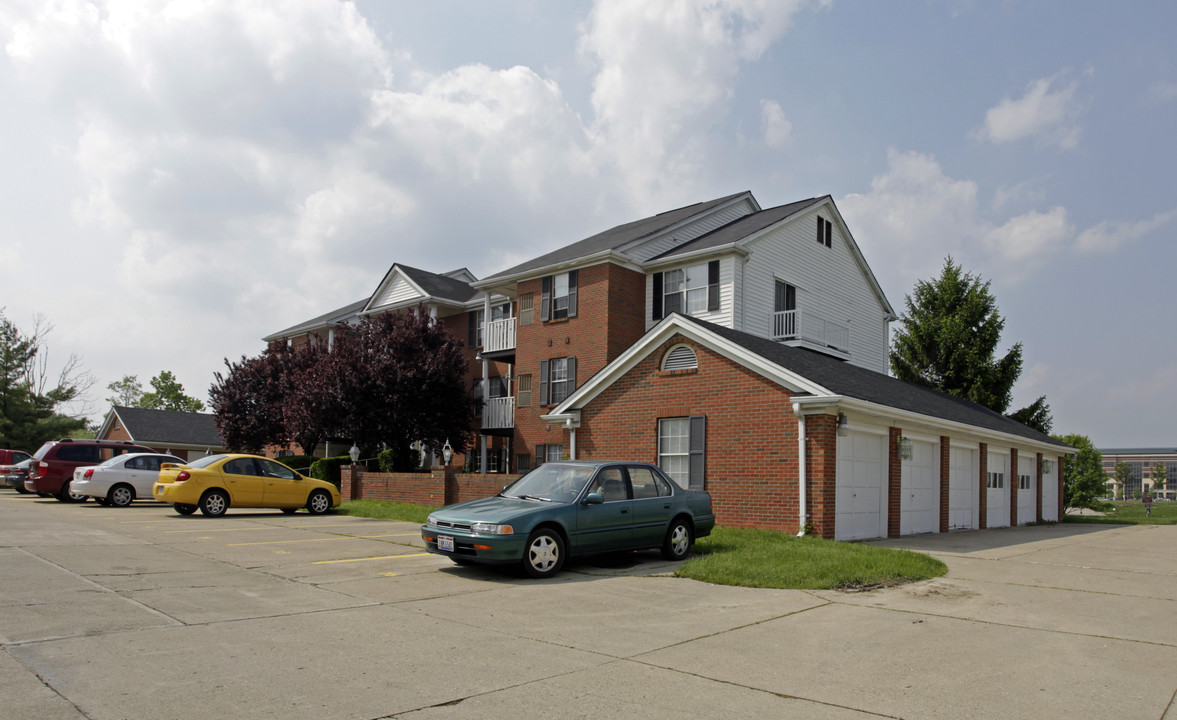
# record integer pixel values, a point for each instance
(801, 462)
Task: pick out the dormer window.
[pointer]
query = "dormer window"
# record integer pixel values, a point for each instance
(693, 290)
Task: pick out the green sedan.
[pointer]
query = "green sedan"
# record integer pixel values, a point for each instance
(573, 508)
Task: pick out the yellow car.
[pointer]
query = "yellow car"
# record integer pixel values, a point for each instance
(214, 483)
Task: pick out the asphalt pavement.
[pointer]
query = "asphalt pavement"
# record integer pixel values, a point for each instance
(141, 613)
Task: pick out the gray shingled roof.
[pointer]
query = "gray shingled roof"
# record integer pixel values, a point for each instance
(169, 427)
(614, 238)
(848, 380)
(743, 227)
(332, 318)
(439, 286)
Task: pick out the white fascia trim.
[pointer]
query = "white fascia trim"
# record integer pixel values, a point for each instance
(597, 258)
(570, 419)
(685, 258)
(394, 270)
(108, 423)
(896, 417)
(663, 331)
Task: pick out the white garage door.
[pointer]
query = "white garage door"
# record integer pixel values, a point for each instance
(919, 500)
(997, 502)
(964, 507)
(1027, 488)
(861, 485)
(1050, 494)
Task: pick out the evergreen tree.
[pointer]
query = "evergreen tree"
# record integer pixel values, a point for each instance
(949, 337)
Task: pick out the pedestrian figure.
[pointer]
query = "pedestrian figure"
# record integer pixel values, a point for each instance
(1147, 505)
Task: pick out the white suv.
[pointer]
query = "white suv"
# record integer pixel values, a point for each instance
(120, 479)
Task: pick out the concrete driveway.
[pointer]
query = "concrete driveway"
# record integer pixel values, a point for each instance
(141, 613)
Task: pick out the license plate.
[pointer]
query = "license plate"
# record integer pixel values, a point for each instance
(445, 542)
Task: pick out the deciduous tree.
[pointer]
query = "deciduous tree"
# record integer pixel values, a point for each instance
(1084, 480)
(31, 403)
(168, 394)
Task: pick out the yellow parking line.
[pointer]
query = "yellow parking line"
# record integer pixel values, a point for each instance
(231, 529)
(382, 557)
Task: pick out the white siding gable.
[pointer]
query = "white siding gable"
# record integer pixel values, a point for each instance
(398, 290)
(727, 305)
(653, 247)
(830, 287)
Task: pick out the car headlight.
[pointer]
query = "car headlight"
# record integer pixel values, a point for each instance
(481, 528)
(431, 520)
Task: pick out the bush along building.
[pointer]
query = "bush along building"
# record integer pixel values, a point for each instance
(742, 349)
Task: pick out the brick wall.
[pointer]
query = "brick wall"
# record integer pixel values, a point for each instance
(894, 483)
(440, 486)
(1013, 483)
(751, 450)
(945, 477)
(983, 498)
(821, 462)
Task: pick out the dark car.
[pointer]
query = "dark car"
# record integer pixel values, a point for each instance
(573, 508)
(12, 469)
(52, 466)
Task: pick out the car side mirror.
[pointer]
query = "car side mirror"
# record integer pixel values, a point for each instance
(594, 499)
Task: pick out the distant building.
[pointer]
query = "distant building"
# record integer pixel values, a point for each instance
(1140, 468)
(187, 435)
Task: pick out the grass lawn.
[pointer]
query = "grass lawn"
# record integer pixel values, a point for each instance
(1131, 513)
(755, 558)
(769, 559)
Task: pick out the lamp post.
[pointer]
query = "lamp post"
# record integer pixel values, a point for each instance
(447, 453)
(354, 453)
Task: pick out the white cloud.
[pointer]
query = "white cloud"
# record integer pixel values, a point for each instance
(1049, 115)
(664, 72)
(1162, 91)
(1024, 242)
(1108, 236)
(778, 131)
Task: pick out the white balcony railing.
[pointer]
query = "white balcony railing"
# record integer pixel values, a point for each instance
(499, 335)
(808, 326)
(499, 412)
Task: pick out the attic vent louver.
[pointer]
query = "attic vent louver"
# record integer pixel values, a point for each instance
(680, 357)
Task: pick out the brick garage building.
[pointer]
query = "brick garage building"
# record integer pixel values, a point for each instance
(786, 438)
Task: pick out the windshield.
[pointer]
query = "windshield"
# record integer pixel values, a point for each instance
(553, 481)
(205, 461)
(111, 461)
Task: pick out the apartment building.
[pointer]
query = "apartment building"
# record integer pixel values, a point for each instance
(744, 350)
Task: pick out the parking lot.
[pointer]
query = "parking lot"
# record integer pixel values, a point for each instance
(142, 613)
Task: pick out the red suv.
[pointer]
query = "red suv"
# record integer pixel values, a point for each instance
(52, 467)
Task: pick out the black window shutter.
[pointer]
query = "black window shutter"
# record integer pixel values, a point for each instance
(543, 382)
(829, 234)
(713, 285)
(821, 239)
(571, 293)
(472, 329)
(539, 455)
(656, 314)
(698, 452)
(571, 376)
(545, 302)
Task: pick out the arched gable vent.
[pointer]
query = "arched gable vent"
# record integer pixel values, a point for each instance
(680, 357)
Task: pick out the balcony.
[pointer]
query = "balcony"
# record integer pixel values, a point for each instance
(810, 327)
(498, 414)
(498, 336)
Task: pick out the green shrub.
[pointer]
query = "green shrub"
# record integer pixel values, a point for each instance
(328, 468)
(298, 462)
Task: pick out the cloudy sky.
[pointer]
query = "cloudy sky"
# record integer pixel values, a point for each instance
(180, 178)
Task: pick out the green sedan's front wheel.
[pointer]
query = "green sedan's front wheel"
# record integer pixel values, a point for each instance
(214, 503)
(184, 508)
(319, 502)
(544, 555)
(678, 540)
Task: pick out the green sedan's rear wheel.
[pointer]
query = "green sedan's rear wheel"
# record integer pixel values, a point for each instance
(544, 555)
(319, 502)
(678, 540)
(184, 509)
(120, 495)
(214, 503)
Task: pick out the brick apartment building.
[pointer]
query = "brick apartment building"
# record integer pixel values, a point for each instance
(742, 349)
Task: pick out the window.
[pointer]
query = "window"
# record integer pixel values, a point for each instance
(1024, 482)
(524, 383)
(647, 484)
(522, 463)
(997, 480)
(552, 452)
(825, 232)
(557, 380)
(558, 296)
(691, 290)
(681, 449)
(474, 329)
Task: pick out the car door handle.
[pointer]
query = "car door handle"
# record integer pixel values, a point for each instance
(624, 510)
